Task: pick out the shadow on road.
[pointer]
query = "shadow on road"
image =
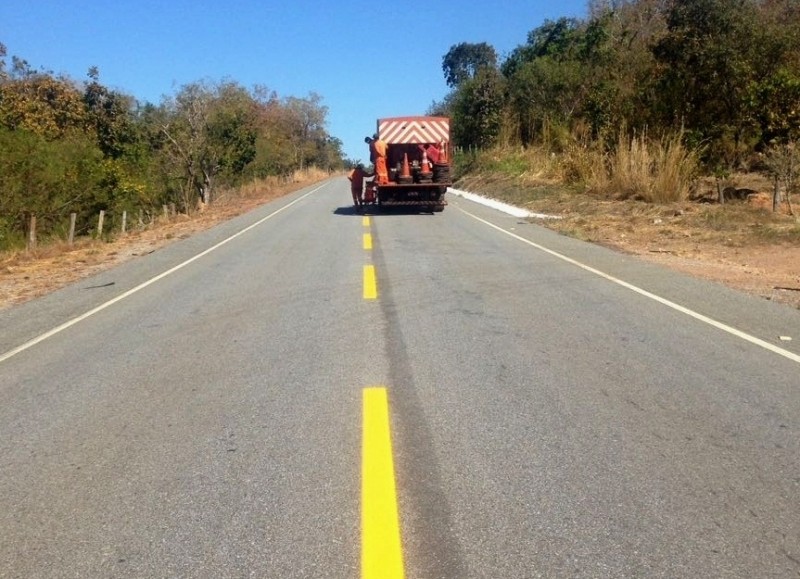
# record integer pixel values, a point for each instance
(375, 210)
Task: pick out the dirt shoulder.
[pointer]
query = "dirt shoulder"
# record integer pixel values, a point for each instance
(742, 245)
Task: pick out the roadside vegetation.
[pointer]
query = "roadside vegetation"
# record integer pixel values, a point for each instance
(654, 102)
(79, 147)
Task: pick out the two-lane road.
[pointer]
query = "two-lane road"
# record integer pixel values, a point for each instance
(556, 409)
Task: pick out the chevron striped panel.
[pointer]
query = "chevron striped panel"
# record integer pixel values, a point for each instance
(414, 130)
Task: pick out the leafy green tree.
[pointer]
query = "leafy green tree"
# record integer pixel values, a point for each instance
(109, 116)
(304, 122)
(231, 133)
(546, 91)
(46, 178)
(556, 39)
(776, 105)
(40, 102)
(464, 61)
(329, 153)
(478, 107)
(709, 58)
(209, 130)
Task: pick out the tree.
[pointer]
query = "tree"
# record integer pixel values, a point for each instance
(305, 120)
(709, 57)
(556, 39)
(463, 62)
(40, 103)
(546, 91)
(46, 178)
(478, 106)
(210, 131)
(109, 116)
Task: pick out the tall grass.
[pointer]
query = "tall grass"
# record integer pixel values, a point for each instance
(655, 171)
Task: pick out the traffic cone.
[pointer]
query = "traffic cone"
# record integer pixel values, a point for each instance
(425, 170)
(443, 152)
(425, 166)
(405, 176)
(405, 172)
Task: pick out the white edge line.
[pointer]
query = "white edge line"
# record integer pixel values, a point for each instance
(500, 205)
(141, 286)
(705, 319)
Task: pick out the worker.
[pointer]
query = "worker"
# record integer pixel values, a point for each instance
(381, 169)
(356, 177)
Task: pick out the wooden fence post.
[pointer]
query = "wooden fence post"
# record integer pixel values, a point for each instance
(776, 195)
(100, 224)
(166, 212)
(71, 236)
(32, 234)
(124, 221)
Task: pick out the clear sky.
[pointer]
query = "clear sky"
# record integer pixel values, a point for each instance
(365, 59)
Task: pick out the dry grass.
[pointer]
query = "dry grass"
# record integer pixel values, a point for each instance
(654, 171)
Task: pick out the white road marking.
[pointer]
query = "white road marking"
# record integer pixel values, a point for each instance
(684, 310)
(141, 286)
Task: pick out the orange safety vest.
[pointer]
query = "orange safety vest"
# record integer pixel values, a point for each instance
(381, 169)
(356, 177)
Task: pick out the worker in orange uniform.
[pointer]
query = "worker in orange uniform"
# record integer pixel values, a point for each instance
(356, 177)
(378, 150)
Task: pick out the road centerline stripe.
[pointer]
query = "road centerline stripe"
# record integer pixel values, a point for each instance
(141, 286)
(367, 241)
(365, 221)
(381, 548)
(677, 307)
(370, 284)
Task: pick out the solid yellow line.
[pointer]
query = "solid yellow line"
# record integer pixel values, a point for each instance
(370, 285)
(367, 241)
(381, 550)
(365, 221)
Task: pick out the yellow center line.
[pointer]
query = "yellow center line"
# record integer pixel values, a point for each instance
(381, 549)
(365, 221)
(370, 285)
(367, 241)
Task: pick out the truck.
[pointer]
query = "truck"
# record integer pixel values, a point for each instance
(418, 153)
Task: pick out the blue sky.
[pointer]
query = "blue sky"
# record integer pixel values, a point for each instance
(365, 59)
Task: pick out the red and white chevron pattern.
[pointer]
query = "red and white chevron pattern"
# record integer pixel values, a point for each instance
(414, 130)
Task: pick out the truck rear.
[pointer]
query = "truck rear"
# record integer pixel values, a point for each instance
(417, 158)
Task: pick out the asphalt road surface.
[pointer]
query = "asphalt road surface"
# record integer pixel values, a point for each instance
(555, 409)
